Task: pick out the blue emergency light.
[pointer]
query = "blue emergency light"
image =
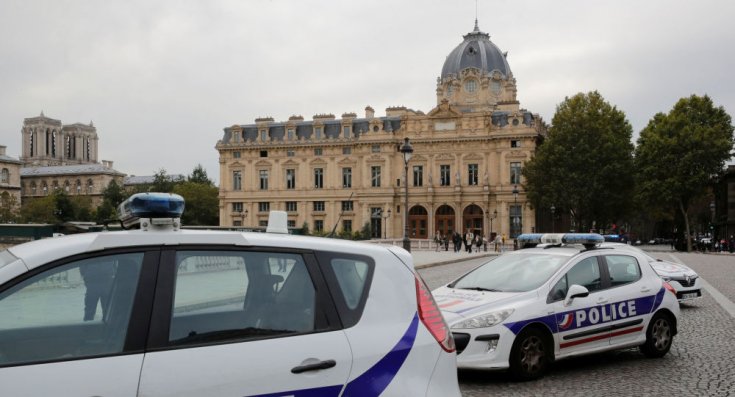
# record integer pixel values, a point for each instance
(151, 206)
(586, 239)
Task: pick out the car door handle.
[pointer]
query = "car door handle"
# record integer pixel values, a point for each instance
(601, 301)
(314, 367)
(645, 289)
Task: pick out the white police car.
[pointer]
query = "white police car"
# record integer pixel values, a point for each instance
(161, 311)
(526, 308)
(685, 281)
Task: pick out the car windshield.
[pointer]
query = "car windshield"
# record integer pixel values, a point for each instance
(512, 273)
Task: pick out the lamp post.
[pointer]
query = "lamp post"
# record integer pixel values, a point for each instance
(553, 209)
(515, 208)
(495, 215)
(385, 217)
(407, 151)
(712, 224)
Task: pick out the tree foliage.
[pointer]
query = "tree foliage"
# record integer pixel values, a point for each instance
(585, 165)
(679, 154)
(199, 175)
(202, 203)
(9, 209)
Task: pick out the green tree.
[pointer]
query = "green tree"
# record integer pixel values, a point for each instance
(199, 175)
(585, 164)
(681, 153)
(112, 196)
(38, 210)
(64, 209)
(202, 203)
(162, 182)
(8, 208)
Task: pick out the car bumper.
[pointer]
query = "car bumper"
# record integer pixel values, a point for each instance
(483, 348)
(686, 291)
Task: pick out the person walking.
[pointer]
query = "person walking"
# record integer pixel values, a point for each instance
(497, 242)
(468, 240)
(438, 241)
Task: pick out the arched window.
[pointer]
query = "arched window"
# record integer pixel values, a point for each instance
(33, 188)
(55, 185)
(5, 176)
(66, 186)
(79, 186)
(90, 186)
(44, 188)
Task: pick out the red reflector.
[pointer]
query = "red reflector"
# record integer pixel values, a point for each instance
(670, 288)
(431, 316)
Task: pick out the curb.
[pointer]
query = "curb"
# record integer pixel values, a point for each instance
(450, 261)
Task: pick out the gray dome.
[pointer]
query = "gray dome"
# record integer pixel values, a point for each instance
(476, 51)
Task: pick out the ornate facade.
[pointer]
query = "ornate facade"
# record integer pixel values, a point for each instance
(466, 165)
(9, 176)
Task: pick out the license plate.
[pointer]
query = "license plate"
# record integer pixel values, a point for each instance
(689, 295)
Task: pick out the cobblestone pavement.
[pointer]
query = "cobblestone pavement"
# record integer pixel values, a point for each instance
(701, 361)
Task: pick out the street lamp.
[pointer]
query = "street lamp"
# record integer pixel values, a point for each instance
(712, 227)
(407, 151)
(553, 209)
(385, 217)
(495, 215)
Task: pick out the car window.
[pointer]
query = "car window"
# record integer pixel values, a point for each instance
(73, 310)
(623, 269)
(513, 273)
(351, 276)
(236, 295)
(585, 273)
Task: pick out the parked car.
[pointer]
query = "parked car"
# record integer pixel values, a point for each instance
(162, 311)
(527, 308)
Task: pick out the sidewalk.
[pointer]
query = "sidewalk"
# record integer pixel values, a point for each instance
(428, 258)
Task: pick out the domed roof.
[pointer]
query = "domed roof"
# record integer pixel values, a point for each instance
(476, 51)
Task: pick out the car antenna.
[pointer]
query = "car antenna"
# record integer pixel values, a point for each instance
(340, 217)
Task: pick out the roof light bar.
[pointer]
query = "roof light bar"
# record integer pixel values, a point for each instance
(152, 206)
(560, 238)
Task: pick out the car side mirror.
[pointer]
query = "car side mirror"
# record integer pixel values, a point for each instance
(575, 291)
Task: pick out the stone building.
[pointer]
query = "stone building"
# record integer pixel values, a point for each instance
(466, 165)
(58, 156)
(9, 176)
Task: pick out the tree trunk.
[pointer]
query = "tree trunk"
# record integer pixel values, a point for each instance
(686, 226)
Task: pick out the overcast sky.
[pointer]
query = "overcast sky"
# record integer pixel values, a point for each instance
(161, 79)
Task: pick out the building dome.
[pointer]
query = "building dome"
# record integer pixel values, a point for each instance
(476, 51)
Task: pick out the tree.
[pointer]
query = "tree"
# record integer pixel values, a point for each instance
(202, 203)
(199, 175)
(112, 196)
(64, 209)
(681, 153)
(585, 165)
(162, 182)
(38, 210)
(8, 208)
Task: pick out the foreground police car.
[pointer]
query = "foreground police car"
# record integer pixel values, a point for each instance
(682, 278)
(167, 312)
(526, 308)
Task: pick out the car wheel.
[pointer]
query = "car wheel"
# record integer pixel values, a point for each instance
(530, 355)
(659, 336)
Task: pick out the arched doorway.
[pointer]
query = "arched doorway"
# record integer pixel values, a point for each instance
(418, 220)
(444, 220)
(472, 219)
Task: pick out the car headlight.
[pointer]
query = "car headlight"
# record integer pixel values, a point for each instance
(484, 320)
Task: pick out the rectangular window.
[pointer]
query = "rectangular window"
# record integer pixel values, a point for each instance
(318, 132)
(445, 175)
(291, 206)
(347, 225)
(347, 177)
(346, 132)
(515, 173)
(516, 220)
(347, 206)
(346, 150)
(515, 143)
(236, 207)
(318, 225)
(375, 176)
(263, 153)
(263, 135)
(472, 171)
(236, 137)
(319, 206)
(290, 134)
(318, 178)
(418, 175)
(236, 155)
(290, 153)
(263, 179)
(290, 178)
(264, 206)
(236, 180)
(317, 151)
(375, 149)
(290, 223)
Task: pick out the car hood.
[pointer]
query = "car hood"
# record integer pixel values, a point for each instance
(457, 304)
(670, 269)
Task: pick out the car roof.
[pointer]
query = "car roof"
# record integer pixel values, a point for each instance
(39, 252)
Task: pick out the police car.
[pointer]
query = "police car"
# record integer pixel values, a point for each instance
(682, 278)
(524, 309)
(161, 311)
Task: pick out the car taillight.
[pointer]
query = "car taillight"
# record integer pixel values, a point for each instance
(431, 316)
(670, 288)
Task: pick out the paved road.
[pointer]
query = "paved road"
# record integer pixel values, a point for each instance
(700, 363)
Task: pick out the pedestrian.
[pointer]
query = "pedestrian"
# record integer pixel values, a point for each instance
(478, 242)
(446, 242)
(468, 240)
(438, 241)
(731, 244)
(502, 243)
(497, 242)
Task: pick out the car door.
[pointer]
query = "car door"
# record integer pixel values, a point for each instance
(579, 325)
(231, 322)
(631, 298)
(76, 327)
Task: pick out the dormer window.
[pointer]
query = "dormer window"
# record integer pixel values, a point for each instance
(470, 85)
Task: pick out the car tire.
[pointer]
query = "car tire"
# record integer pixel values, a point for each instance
(530, 355)
(659, 336)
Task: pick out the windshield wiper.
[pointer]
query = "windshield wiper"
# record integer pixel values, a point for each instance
(481, 289)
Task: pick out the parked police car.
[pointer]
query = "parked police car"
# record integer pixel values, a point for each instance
(682, 278)
(161, 311)
(524, 309)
